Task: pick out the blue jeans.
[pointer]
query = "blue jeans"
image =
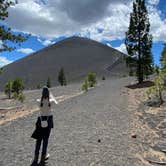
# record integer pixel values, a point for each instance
(44, 148)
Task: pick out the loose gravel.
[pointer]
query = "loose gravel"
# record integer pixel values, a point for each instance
(93, 129)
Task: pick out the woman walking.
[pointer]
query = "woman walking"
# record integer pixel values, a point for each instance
(44, 125)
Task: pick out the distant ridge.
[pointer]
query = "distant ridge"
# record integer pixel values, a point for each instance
(76, 55)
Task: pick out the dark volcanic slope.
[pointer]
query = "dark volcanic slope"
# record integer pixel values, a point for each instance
(76, 55)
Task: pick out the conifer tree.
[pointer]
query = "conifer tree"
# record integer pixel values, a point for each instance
(6, 33)
(61, 77)
(8, 88)
(139, 41)
(18, 86)
(163, 59)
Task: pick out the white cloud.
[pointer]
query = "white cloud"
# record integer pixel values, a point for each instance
(42, 20)
(25, 50)
(114, 25)
(60, 17)
(153, 2)
(158, 25)
(122, 48)
(45, 42)
(54, 18)
(4, 61)
(108, 44)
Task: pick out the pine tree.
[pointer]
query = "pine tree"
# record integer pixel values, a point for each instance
(8, 88)
(163, 59)
(1, 70)
(17, 86)
(61, 77)
(139, 41)
(49, 82)
(6, 32)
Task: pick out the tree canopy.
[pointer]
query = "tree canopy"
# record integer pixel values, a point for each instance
(139, 41)
(6, 33)
(163, 59)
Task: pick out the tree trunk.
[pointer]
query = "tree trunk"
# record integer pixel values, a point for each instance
(160, 97)
(140, 71)
(9, 94)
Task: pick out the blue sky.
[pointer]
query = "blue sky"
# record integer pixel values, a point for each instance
(104, 21)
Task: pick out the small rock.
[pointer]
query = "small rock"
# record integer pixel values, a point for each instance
(99, 140)
(160, 147)
(134, 136)
(3, 116)
(162, 125)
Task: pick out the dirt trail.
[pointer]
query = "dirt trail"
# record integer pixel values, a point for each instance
(92, 129)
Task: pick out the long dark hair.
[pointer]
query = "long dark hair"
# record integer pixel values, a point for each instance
(45, 95)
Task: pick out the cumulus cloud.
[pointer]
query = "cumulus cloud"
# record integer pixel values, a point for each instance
(25, 50)
(4, 61)
(45, 42)
(59, 17)
(113, 26)
(108, 44)
(53, 18)
(158, 25)
(122, 48)
(153, 2)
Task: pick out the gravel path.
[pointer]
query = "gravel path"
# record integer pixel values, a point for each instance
(93, 129)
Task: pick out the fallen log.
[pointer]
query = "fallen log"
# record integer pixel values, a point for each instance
(156, 162)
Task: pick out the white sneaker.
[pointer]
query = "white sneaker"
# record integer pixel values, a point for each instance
(47, 156)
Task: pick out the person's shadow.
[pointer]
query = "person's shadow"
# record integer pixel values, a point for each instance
(43, 164)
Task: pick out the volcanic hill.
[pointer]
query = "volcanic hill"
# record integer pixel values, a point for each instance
(76, 55)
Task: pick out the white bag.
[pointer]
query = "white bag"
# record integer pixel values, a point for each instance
(44, 123)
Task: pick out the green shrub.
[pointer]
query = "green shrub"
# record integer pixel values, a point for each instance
(48, 82)
(14, 88)
(19, 97)
(85, 85)
(8, 89)
(1, 70)
(18, 86)
(158, 89)
(91, 79)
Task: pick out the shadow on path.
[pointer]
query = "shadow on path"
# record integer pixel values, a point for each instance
(43, 164)
(145, 84)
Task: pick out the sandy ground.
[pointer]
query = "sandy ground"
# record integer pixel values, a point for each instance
(147, 135)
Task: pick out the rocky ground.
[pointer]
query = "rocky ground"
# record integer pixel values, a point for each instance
(102, 127)
(151, 128)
